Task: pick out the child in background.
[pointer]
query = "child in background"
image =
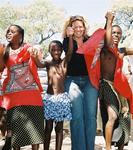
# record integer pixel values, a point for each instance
(57, 107)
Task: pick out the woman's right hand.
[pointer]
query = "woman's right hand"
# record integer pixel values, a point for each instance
(69, 31)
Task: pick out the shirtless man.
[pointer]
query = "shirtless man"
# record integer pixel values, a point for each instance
(112, 107)
(57, 106)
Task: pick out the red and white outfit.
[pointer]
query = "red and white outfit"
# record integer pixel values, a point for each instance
(22, 98)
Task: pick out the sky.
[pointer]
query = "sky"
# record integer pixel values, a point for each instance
(93, 10)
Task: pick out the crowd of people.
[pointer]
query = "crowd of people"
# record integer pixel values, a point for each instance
(91, 71)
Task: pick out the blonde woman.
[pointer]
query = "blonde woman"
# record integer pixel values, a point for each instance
(83, 94)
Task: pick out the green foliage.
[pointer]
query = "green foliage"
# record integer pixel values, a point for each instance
(7, 16)
(124, 17)
(41, 20)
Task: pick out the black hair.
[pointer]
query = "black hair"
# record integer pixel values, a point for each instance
(21, 31)
(59, 44)
(115, 25)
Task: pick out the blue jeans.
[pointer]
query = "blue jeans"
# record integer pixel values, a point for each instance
(84, 109)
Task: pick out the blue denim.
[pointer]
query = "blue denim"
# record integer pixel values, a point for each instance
(84, 109)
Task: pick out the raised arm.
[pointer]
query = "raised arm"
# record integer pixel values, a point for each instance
(70, 44)
(37, 55)
(109, 20)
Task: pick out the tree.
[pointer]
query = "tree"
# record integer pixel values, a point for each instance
(124, 18)
(44, 20)
(8, 15)
(40, 19)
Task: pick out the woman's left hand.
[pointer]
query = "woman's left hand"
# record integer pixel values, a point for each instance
(2, 49)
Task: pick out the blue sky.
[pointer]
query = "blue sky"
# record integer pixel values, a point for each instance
(93, 10)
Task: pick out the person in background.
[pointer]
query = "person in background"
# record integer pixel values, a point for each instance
(83, 94)
(57, 106)
(22, 93)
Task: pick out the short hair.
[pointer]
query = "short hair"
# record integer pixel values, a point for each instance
(59, 44)
(115, 25)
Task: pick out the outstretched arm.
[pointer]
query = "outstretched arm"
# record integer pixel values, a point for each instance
(37, 55)
(129, 51)
(109, 20)
(126, 51)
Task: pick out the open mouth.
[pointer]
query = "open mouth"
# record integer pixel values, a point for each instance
(116, 40)
(8, 37)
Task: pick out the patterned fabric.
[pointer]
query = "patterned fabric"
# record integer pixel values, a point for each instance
(108, 96)
(22, 99)
(57, 107)
(22, 85)
(3, 119)
(20, 78)
(27, 125)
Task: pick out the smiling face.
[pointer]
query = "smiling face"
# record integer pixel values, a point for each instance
(13, 35)
(78, 28)
(116, 34)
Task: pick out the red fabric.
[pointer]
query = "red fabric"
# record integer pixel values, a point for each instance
(1, 98)
(33, 68)
(89, 49)
(121, 83)
(26, 97)
(90, 46)
(24, 56)
(93, 73)
(31, 97)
